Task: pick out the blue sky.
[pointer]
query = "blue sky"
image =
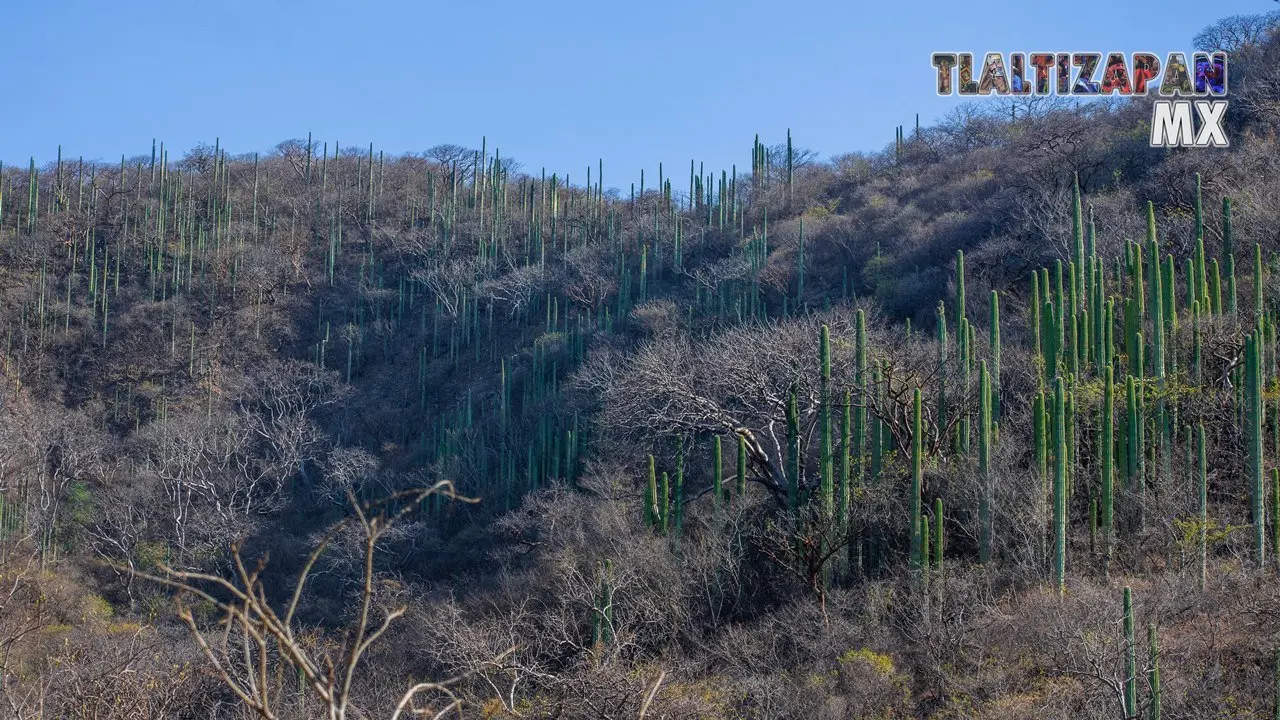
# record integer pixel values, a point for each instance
(554, 84)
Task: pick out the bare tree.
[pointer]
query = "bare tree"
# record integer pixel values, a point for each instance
(1236, 31)
(295, 152)
(739, 383)
(587, 277)
(516, 286)
(449, 280)
(252, 645)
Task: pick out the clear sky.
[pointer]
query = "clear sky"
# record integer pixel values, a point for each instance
(553, 84)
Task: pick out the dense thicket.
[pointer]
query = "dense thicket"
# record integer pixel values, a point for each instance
(922, 432)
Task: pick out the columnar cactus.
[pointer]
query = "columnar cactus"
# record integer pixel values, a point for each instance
(1275, 515)
(1133, 429)
(995, 355)
(984, 464)
(1135, 313)
(1153, 675)
(1059, 487)
(1106, 429)
(844, 493)
(1170, 312)
(1157, 296)
(1036, 303)
(942, 366)
(859, 428)
(790, 170)
(1050, 340)
(664, 504)
(1253, 419)
(963, 333)
(1077, 235)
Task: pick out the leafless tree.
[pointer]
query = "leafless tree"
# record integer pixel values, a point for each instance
(587, 277)
(448, 154)
(738, 383)
(295, 152)
(199, 158)
(448, 280)
(252, 645)
(515, 287)
(1236, 31)
(280, 412)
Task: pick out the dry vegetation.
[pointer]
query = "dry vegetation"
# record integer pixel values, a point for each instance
(327, 433)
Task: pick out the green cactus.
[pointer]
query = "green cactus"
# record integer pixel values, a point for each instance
(602, 615)
(664, 504)
(1254, 419)
(1170, 313)
(1036, 303)
(942, 366)
(1196, 350)
(1106, 429)
(1157, 296)
(790, 170)
(1135, 313)
(1132, 426)
(1051, 340)
(875, 427)
(984, 464)
(1275, 514)
(1154, 673)
(962, 352)
(1059, 486)
(1070, 413)
(1215, 287)
(844, 493)
(926, 544)
(1077, 236)
(995, 355)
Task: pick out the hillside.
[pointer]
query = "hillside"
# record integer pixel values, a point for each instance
(986, 424)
